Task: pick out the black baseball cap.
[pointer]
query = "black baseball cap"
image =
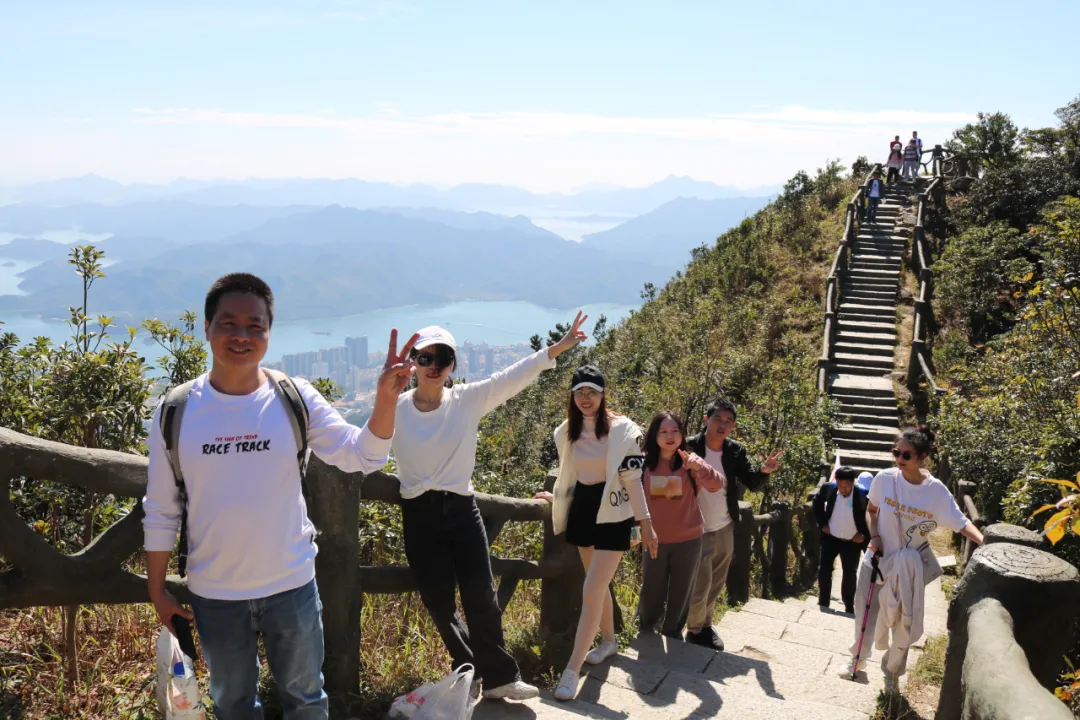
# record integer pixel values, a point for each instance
(588, 376)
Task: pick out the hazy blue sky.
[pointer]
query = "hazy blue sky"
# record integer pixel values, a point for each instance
(548, 94)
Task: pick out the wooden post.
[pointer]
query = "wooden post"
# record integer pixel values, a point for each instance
(811, 543)
(335, 510)
(560, 597)
(779, 540)
(738, 582)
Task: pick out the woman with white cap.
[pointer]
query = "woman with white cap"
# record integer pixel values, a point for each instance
(445, 542)
(597, 501)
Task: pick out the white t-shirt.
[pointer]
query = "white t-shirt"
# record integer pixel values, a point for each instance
(713, 504)
(249, 535)
(921, 508)
(842, 520)
(437, 450)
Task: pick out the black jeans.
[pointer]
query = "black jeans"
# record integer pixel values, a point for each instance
(850, 553)
(447, 549)
(892, 176)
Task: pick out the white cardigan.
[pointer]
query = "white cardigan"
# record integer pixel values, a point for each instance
(624, 442)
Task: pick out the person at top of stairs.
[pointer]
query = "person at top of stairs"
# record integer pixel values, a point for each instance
(840, 511)
(597, 501)
(906, 504)
(673, 480)
(874, 193)
(720, 510)
(912, 155)
(895, 161)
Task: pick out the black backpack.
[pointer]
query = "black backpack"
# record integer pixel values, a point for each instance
(172, 413)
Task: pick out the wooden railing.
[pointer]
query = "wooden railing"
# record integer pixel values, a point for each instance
(41, 575)
(920, 361)
(841, 260)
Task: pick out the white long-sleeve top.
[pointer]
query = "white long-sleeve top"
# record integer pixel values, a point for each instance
(901, 604)
(436, 450)
(249, 535)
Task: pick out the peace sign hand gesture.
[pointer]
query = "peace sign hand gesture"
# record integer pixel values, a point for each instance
(397, 371)
(572, 338)
(772, 463)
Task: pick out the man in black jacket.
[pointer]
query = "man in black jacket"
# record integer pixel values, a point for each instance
(720, 511)
(840, 511)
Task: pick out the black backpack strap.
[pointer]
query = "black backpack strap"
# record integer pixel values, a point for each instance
(298, 414)
(172, 413)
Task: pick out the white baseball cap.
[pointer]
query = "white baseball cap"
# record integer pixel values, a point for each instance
(435, 335)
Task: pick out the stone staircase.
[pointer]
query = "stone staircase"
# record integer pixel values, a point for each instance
(865, 346)
(781, 660)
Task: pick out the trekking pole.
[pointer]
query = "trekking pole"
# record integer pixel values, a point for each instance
(874, 574)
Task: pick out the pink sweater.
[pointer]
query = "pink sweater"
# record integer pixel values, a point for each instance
(673, 504)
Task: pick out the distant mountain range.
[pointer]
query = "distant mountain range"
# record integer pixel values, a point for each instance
(665, 236)
(334, 261)
(364, 194)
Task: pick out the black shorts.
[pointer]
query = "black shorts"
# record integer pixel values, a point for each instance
(582, 529)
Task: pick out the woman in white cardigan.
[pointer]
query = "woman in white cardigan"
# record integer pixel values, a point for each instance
(598, 498)
(445, 542)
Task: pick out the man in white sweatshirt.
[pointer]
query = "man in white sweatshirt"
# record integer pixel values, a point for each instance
(251, 546)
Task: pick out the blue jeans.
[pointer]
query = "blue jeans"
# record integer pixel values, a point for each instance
(291, 625)
(871, 209)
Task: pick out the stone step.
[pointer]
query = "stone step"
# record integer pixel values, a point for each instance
(851, 369)
(883, 404)
(867, 294)
(880, 274)
(864, 432)
(866, 445)
(867, 326)
(867, 338)
(867, 309)
(868, 459)
(880, 289)
(864, 349)
(870, 361)
(874, 262)
(885, 413)
(868, 299)
(841, 384)
(860, 317)
(872, 420)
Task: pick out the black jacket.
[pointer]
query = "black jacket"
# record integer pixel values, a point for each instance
(825, 502)
(738, 468)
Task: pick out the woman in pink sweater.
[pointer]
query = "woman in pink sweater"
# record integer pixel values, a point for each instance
(673, 478)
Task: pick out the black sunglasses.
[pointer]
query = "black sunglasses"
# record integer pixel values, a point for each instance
(906, 454)
(443, 357)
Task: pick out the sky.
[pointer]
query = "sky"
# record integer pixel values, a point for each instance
(543, 94)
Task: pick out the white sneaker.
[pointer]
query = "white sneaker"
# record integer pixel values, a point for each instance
(849, 668)
(602, 652)
(567, 685)
(516, 690)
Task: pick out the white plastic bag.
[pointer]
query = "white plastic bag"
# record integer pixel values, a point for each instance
(449, 699)
(177, 688)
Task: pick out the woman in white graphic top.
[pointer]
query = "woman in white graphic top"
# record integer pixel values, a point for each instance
(906, 504)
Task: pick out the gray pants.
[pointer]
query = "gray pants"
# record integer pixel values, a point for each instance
(717, 549)
(666, 585)
(911, 167)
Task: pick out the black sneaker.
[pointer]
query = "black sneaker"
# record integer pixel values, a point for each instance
(707, 637)
(849, 609)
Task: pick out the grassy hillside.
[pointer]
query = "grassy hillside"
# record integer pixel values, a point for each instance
(743, 320)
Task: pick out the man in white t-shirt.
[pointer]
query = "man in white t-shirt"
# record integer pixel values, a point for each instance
(720, 511)
(250, 545)
(840, 511)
